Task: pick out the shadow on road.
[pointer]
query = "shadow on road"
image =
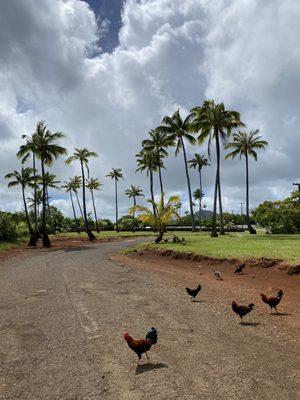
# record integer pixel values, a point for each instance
(141, 368)
(250, 323)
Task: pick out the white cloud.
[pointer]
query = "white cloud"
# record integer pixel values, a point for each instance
(171, 54)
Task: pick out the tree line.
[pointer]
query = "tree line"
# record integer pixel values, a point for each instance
(210, 123)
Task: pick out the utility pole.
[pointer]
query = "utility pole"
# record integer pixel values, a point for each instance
(297, 184)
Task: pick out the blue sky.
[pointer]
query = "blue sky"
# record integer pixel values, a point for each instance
(108, 10)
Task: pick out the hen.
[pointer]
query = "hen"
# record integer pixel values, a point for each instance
(193, 292)
(272, 301)
(141, 346)
(239, 269)
(240, 310)
(218, 275)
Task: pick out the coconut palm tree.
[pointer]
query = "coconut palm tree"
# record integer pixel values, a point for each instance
(179, 131)
(69, 188)
(47, 150)
(24, 178)
(94, 184)
(35, 201)
(76, 185)
(198, 162)
(245, 144)
(161, 218)
(198, 196)
(148, 161)
(25, 151)
(134, 192)
(50, 182)
(158, 142)
(83, 155)
(214, 122)
(116, 175)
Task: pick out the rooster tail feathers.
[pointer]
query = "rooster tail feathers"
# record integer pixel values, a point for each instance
(152, 335)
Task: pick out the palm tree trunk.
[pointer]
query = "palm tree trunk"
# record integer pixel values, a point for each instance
(251, 230)
(200, 200)
(161, 185)
(116, 198)
(151, 191)
(95, 212)
(35, 199)
(46, 240)
(222, 231)
(74, 213)
(79, 206)
(189, 186)
(33, 237)
(86, 223)
(133, 214)
(214, 232)
(49, 212)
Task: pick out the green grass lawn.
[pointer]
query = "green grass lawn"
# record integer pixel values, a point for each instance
(238, 245)
(11, 245)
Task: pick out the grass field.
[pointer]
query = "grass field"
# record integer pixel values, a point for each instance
(103, 234)
(238, 245)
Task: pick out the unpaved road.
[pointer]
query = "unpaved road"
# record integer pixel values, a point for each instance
(63, 314)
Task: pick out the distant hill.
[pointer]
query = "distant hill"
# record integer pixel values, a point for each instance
(205, 214)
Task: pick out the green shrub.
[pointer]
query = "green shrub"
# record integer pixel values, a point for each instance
(8, 227)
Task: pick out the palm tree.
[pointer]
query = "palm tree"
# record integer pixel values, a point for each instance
(179, 131)
(161, 218)
(198, 196)
(245, 144)
(116, 174)
(24, 178)
(83, 156)
(24, 153)
(134, 192)
(35, 201)
(50, 182)
(158, 142)
(69, 188)
(148, 161)
(76, 184)
(198, 162)
(212, 121)
(94, 184)
(46, 150)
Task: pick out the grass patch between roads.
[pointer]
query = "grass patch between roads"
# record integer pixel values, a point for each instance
(236, 245)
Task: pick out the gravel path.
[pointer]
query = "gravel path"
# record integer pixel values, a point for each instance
(63, 314)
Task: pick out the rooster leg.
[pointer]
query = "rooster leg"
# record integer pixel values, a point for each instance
(147, 356)
(276, 310)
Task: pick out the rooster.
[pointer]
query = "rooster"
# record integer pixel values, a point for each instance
(242, 310)
(193, 292)
(218, 275)
(272, 301)
(239, 269)
(140, 346)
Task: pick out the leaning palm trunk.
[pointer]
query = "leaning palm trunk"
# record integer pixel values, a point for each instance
(222, 231)
(46, 240)
(133, 214)
(86, 223)
(79, 206)
(151, 191)
(74, 213)
(95, 212)
(161, 185)
(33, 236)
(189, 187)
(250, 228)
(35, 199)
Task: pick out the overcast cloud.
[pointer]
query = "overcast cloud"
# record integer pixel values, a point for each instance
(171, 54)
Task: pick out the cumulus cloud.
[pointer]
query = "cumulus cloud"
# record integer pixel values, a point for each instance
(172, 54)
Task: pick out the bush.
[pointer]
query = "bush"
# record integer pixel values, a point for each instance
(8, 227)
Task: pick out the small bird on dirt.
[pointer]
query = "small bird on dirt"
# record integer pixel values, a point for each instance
(193, 292)
(272, 301)
(241, 310)
(141, 346)
(218, 275)
(239, 269)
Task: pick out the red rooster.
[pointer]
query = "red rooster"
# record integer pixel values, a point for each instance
(140, 346)
(272, 301)
(242, 310)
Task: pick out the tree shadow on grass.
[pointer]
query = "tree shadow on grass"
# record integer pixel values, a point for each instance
(141, 368)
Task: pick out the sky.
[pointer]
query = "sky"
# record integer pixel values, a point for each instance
(106, 72)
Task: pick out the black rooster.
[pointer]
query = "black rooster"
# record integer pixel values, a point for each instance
(193, 292)
(239, 269)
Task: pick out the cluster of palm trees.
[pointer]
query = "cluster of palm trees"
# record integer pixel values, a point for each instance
(210, 122)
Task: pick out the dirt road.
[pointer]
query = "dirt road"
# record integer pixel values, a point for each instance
(63, 314)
